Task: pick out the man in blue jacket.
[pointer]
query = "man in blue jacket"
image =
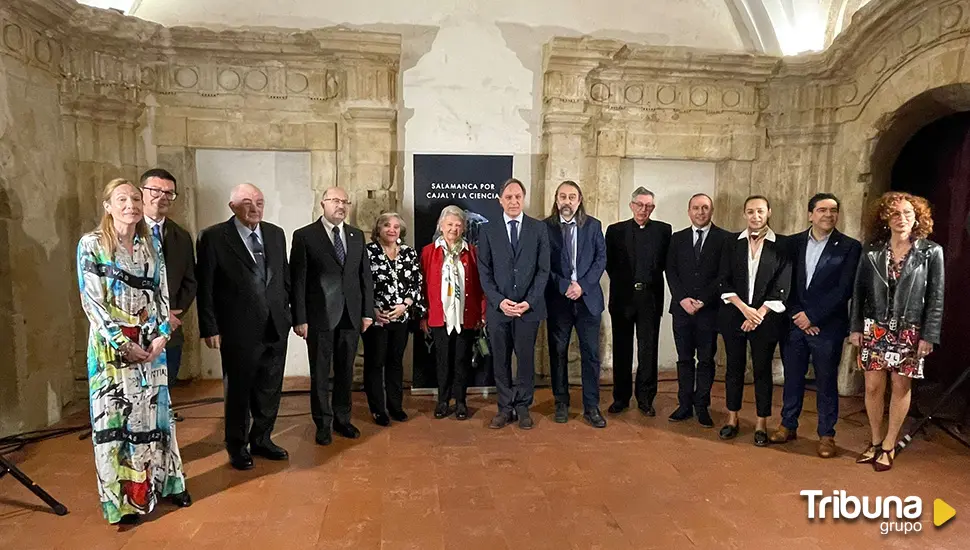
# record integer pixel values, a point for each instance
(824, 263)
(574, 298)
(513, 266)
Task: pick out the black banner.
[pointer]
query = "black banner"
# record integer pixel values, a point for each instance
(470, 182)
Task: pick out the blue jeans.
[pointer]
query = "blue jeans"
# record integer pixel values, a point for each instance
(826, 354)
(173, 355)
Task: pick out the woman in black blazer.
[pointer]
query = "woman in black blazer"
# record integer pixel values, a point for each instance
(754, 281)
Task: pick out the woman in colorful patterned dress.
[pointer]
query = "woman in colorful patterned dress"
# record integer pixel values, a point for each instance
(397, 298)
(125, 297)
(897, 312)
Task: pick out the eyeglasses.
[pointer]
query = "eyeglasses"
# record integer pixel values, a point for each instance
(156, 192)
(338, 201)
(641, 206)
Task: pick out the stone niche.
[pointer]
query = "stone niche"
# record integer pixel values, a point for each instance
(783, 127)
(87, 95)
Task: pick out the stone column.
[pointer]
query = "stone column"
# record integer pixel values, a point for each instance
(364, 161)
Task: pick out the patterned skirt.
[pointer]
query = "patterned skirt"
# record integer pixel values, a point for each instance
(891, 347)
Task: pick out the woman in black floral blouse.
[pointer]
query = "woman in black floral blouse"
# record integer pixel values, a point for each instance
(397, 291)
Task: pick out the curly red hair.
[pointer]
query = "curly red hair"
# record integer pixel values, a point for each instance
(876, 226)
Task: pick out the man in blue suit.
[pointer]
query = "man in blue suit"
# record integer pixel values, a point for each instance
(577, 260)
(513, 265)
(824, 263)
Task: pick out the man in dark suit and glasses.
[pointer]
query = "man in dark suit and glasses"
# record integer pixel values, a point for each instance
(636, 253)
(513, 265)
(244, 312)
(824, 263)
(333, 301)
(159, 190)
(692, 275)
(577, 260)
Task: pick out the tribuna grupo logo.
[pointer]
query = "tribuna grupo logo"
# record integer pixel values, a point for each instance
(895, 514)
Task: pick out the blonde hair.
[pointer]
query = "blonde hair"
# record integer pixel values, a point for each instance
(109, 237)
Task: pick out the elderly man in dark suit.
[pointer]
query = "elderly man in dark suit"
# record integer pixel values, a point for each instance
(636, 253)
(824, 263)
(574, 299)
(244, 312)
(333, 301)
(159, 190)
(692, 275)
(513, 265)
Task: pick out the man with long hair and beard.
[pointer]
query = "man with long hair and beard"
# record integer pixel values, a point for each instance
(574, 298)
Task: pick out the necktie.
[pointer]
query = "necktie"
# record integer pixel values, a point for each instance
(698, 244)
(514, 234)
(157, 233)
(567, 244)
(257, 249)
(338, 245)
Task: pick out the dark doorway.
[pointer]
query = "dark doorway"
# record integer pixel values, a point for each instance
(935, 163)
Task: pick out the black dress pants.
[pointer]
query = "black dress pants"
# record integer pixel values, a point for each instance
(452, 354)
(253, 377)
(384, 366)
(695, 336)
(331, 351)
(645, 319)
(762, 352)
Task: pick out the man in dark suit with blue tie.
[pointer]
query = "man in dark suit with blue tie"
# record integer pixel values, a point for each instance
(513, 265)
(824, 264)
(574, 298)
(692, 275)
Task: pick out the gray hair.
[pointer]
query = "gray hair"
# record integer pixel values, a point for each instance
(451, 210)
(640, 191)
(375, 234)
(234, 194)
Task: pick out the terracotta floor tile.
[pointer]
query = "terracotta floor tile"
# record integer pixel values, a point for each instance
(640, 483)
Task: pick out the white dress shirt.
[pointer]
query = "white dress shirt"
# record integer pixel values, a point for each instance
(340, 230)
(813, 253)
(704, 232)
(753, 263)
(508, 228)
(245, 232)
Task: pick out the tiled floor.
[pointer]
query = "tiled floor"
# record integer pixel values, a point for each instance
(426, 484)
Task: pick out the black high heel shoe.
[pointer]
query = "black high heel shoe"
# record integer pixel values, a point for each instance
(870, 454)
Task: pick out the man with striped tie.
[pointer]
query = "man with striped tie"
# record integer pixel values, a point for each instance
(333, 303)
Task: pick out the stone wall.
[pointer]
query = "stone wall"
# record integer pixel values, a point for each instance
(783, 127)
(87, 95)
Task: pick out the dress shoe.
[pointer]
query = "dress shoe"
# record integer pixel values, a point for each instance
(681, 414)
(525, 420)
(441, 410)
(783, 435)
(130, 519)
(826, 447)
(562, 413)
(323, 437)
(178, 417)
(270, 451)
(182, 500)
(704, 418)
(347, 430)
(869, 455)
(617, 407)
(461, 411)
(647, 410)
(398, 416)
(241, 459)
(594, 418)
(884, 460)
(381, 419)
(760, 438)
(499, 421)
(728, 432)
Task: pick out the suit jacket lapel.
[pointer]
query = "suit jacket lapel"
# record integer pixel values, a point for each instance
(324, 241)
(167, 235)
(523, 234)
(827, 252)
(238, 246)
(269, 254)
(765, 265)
(352, 250)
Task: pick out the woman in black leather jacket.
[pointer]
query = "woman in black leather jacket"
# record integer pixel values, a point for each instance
(897, 310)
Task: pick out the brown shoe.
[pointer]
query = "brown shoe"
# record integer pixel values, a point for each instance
(782, 435)
(826, 447)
